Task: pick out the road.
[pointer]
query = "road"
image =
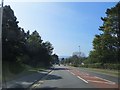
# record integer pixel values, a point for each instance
(70, 77)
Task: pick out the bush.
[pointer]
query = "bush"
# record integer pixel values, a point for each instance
(112, 66)
(85, 65)
(96, 65)
(75, 65)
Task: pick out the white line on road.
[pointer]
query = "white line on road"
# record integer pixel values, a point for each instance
(37, 85)
(82, 79)
(101, 82)
(40, 81)
(72, 73)
(105, 80)
(51, 72)
(68, 70)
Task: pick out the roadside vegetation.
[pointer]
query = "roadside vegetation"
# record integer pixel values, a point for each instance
(106, 46)
(104, 71)
(23, 50)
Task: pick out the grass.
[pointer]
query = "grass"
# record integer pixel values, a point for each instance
(0, 78)
(104, 71)
(28, 68)
(14, 71)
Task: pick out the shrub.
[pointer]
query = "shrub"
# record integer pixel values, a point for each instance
(103, 66)
(112, 66)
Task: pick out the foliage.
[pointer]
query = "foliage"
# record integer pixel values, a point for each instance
(104, 66)
(13, 36)
(20, 47)
(55, 59)
(106, 45)
(74, 60)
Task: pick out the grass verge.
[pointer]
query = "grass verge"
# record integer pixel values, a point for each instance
(114, 73)
(13, 71)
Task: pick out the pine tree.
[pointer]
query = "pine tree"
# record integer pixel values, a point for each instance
(106, 45)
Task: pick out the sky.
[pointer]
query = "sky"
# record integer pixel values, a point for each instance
(67, 25)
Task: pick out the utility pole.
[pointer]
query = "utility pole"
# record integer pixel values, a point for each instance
(1, 15)
(79, 51)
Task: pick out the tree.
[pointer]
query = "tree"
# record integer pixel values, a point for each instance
(55, 59)
(48, 47)
(106, 45)
(12, 36)
(40, 52)
(22, 47)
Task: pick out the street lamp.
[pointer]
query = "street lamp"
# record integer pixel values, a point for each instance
(79, 51)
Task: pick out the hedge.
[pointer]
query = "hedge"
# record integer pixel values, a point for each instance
(104, 66)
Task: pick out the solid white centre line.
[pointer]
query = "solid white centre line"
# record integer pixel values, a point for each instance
(82, 79)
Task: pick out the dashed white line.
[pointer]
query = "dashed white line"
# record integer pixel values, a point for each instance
(82, 79)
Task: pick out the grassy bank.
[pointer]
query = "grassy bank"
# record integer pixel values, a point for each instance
(12, 71)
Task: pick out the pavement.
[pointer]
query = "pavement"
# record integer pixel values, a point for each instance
(26, 81)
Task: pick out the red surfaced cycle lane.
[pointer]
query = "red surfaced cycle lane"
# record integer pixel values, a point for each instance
(95, 81)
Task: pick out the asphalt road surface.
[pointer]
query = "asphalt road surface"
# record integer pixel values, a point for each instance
(70, 77)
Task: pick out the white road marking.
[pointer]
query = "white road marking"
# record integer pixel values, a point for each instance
(82, 79)
(72, 73)
(40, 81)
(101, 82)
(84, 73)
(51, 72)
(36, 86)
(92, 77)
(68, 70)
(105, 80)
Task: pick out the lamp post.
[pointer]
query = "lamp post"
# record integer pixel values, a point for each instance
(79, 51)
